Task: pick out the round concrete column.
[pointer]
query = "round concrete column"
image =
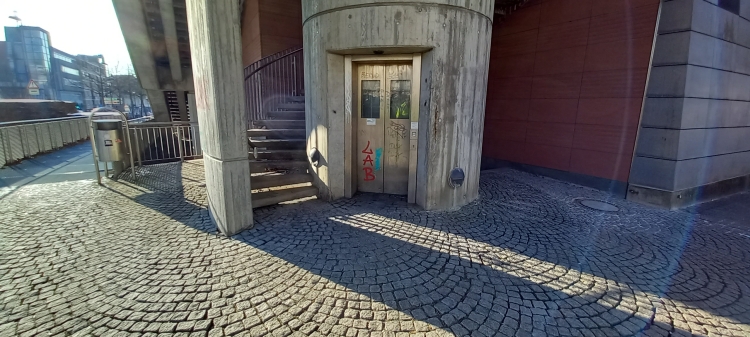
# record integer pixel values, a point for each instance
(453, 37)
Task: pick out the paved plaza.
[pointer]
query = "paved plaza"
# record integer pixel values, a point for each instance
(141, 257)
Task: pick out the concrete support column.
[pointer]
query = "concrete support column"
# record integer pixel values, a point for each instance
(158, 105)
(453, 40)
(693, 140)
(182, 105)
(216, 48)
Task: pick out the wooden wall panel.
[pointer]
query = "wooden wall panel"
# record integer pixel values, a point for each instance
(566, 84)
(251, 50)
(270, 26)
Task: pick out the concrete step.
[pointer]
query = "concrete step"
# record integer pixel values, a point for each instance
(280, 155)
(277, 180)
(296, 99)
(260, 166)
(279, 144)
(287, 115)
(292, 106)
(277, 133)
(262, 199)
(280, 124)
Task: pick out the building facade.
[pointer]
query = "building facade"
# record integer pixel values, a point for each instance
(646, 99)
(29, 57)
(66, 78)
(93, 70)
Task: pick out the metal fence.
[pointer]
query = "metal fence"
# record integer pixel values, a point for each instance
(165, 142)
(140, 119)
(271, 80)
(25, 139)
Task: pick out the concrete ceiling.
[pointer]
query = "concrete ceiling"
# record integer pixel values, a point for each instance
(505, 7)
(167, 23)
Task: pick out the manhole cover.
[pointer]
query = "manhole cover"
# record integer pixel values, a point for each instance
(599, 205)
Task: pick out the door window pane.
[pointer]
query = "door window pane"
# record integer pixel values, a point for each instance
(370, 99)
(400, 99)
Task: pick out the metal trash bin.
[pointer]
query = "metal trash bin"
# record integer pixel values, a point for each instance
(110, 143)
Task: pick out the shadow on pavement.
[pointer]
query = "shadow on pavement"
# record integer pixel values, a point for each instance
(515, 260)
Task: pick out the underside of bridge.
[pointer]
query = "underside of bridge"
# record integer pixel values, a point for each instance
(156, 34)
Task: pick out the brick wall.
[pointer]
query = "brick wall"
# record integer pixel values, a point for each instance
(566, 84)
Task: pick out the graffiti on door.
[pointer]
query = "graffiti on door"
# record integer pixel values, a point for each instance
(369, 165)
(396, 132)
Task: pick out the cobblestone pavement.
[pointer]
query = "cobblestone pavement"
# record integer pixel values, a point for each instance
(527, 259)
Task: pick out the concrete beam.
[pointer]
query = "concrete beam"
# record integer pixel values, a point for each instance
(216, 48)
(134, 30)
(170, 37)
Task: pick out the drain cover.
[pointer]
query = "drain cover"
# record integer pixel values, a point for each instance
(599, 205)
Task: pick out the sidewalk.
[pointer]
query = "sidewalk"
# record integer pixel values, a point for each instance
(527, 259)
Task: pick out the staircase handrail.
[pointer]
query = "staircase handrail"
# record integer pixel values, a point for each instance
(268, 60)
(271, 80)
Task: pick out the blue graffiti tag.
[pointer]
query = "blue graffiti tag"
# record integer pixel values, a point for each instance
(378, 154)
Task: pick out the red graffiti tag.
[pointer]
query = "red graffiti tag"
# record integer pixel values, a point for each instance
(369, 176)
(367, 151)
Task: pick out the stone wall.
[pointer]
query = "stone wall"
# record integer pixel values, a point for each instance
(696, 121)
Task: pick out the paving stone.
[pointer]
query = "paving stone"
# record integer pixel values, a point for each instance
(143, 258)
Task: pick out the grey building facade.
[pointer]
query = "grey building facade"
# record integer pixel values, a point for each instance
(693, 140)
(93, 73)
(66, 78)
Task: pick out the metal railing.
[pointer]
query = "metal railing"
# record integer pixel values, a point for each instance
(25, 139)
(271, 80)
(140, 119)
(156, 143)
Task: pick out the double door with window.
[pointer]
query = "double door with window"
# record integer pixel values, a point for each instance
(383, 127)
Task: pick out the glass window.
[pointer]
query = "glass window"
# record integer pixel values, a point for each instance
(72, 83)
(371, 99)
(70, 71)
(62, 57)
(18, 51)
(400, 99)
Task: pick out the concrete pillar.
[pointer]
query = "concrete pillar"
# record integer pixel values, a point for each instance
(453, 38)
(692, 144)
(220, 101)
(158, 105)
(182, 105)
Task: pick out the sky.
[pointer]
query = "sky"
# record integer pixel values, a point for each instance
(75, 26)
